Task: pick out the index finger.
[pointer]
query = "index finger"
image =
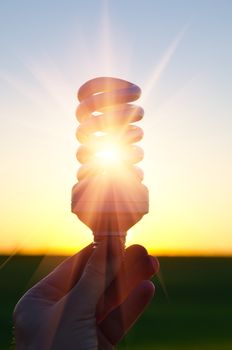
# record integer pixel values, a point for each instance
(62, 279)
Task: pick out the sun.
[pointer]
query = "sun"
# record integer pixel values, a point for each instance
(110, 155)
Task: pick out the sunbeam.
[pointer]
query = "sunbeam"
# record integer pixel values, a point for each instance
(52, 80)
(106, 40)
(162, 65)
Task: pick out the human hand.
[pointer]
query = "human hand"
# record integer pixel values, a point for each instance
(88, 302)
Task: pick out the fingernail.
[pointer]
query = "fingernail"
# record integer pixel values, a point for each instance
(155, 263)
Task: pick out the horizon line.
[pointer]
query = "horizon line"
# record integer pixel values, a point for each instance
(167, 254)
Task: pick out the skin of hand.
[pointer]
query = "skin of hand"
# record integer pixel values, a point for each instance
(88, 302)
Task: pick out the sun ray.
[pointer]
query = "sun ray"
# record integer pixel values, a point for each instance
(162, 65)
(52, 80)
(106, 39)
(14, 252)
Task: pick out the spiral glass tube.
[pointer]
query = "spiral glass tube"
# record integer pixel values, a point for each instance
(109, 196)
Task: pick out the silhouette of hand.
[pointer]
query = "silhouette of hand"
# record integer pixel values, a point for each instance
(88, 302)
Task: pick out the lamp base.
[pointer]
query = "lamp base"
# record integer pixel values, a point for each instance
(109, 207)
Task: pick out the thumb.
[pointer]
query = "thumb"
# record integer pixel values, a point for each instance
(100, 270)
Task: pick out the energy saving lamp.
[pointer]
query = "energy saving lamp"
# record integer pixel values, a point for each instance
(109, 196)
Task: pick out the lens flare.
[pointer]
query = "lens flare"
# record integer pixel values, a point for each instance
(109, 156)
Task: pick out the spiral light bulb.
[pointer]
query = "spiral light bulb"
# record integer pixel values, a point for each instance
(109, 196)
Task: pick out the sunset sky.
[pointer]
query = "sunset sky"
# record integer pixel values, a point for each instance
(180, 54)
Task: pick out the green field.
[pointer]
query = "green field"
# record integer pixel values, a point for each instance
(192, 308)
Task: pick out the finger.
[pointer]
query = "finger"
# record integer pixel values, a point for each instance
(138, 266)
(100, 270)
(62, 279)
(119, 321)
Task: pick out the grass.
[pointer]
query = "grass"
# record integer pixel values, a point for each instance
(192, 309)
